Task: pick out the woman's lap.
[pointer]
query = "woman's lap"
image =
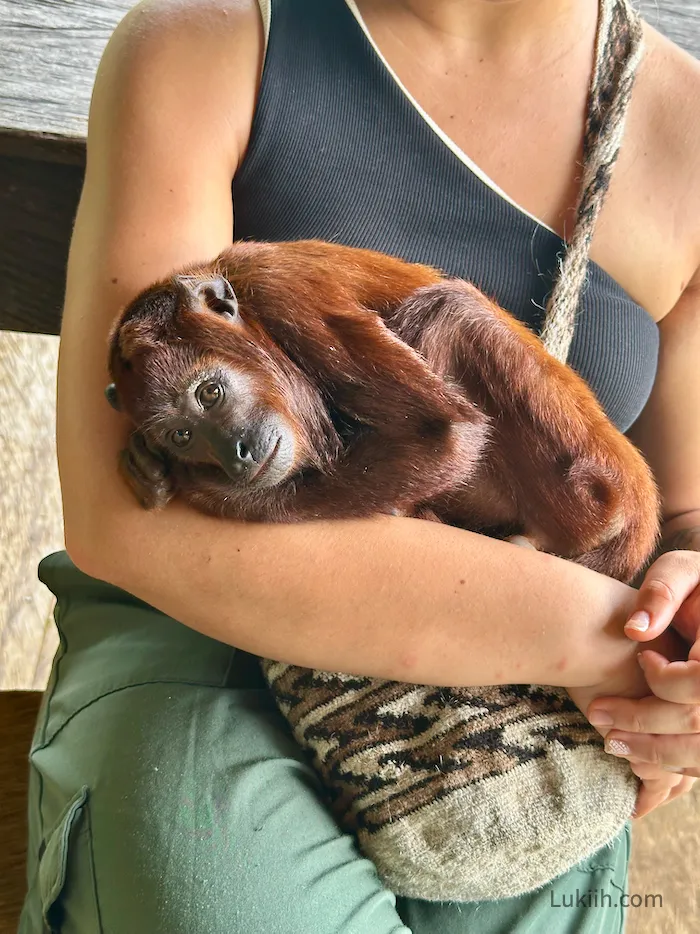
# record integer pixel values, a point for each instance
(167, 795)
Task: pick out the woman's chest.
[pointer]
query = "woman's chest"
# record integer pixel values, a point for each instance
(522, 125)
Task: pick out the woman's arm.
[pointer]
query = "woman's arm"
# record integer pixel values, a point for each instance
(668, 432)
(662, 731)
(396, 598)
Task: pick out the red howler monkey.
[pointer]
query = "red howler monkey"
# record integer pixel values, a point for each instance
(301, 380)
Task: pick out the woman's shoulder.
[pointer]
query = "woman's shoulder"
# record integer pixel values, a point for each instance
(668, 110)
(669, 84)
(207, 53)
(655, 194)
(669, 91)
(170, 16)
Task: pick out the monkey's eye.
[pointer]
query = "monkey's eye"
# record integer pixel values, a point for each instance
(209, 394)
(181, 437)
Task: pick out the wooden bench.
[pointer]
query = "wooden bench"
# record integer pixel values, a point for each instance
(49, 52)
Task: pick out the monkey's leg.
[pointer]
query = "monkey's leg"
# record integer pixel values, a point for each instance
(556, 466)
(146, 473)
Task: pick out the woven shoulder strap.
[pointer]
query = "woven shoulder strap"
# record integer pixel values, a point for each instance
(618, 53)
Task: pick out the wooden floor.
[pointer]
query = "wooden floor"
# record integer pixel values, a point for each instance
(30, 506)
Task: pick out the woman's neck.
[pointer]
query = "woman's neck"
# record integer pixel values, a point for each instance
(490, 24)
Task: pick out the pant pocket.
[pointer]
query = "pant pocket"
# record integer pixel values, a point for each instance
(66, 878)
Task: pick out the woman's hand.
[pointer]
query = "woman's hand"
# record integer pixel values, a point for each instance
(628, 685)
(658, 786)
(670, 592)
(664, 730)
(628, 690)
(659, 738)
(660, 734)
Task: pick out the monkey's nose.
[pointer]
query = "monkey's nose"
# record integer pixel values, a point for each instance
(241, 454)
(243, 457)
(235, 456)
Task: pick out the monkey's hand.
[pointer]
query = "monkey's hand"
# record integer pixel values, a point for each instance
(146, 472)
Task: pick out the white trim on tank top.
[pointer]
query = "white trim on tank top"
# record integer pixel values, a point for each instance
(266, 13)
(450, 143)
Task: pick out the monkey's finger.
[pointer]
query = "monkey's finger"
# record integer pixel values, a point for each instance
(145, 458)
(152, 493)
(523, 541)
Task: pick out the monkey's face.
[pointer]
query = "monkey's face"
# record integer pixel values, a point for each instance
(208, 391)
(215, 417)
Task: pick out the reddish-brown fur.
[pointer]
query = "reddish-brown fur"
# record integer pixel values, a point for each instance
(457, 412)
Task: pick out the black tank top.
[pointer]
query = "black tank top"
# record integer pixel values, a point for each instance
(339, 152)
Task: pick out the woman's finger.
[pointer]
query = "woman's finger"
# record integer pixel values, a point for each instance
(644, 715)
(673, 753)
(648, 800)
(658, 787)
(678, 682)
(682, 788)
(655, 778)
(670, 580)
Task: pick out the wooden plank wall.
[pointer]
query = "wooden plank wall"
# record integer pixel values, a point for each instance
(677, 19)
(49, 51)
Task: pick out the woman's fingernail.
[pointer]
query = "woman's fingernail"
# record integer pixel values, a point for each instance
(668, 768)
(617, 748)
(639, 621)
(600, 718)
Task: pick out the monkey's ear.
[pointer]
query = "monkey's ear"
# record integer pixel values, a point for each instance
(133, 337)
(216, 292)
(112, 397)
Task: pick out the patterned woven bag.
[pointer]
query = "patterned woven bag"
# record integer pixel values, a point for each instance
(458, 794)
(480, 793)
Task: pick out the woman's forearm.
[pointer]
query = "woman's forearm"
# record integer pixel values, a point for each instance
(393, 598)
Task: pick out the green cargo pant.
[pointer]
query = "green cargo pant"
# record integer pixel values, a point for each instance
(167, 796)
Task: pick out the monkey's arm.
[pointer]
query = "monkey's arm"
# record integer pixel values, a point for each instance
(146, 472)
(421, 435)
